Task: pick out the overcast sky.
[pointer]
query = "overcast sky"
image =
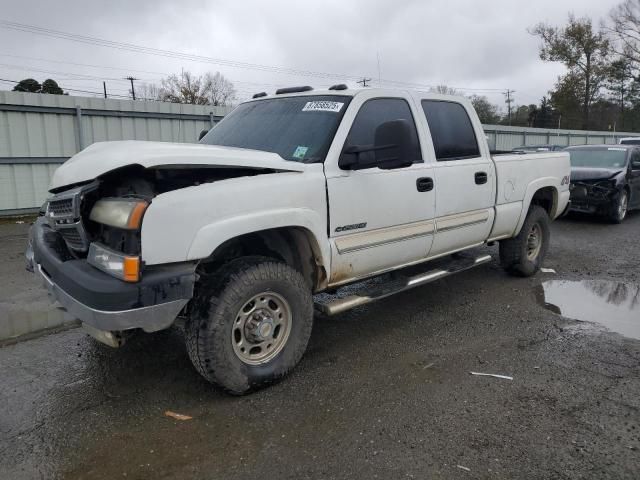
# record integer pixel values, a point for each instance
(477, 46)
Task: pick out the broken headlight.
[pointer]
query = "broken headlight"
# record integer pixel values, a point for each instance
(125, 213)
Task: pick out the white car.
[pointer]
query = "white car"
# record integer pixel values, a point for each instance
(629, 141)
(290, 195)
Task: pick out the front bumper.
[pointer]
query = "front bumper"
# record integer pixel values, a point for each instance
(102, 301)
(591, 200)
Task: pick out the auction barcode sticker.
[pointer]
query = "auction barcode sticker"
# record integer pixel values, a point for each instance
(322, 106)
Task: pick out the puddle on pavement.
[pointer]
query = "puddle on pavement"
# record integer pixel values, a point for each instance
(615, 305)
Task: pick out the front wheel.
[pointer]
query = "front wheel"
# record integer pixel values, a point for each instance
(619, 208)
(252, 327)
(523, 255)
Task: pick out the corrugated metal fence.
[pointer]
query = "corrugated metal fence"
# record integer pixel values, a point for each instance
(39, 132)
(502, 137)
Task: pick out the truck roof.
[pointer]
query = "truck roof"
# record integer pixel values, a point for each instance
(352, 92)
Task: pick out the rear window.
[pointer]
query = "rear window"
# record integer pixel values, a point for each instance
(451, 130)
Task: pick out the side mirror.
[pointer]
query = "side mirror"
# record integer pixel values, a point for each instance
(392, 148)
(202, 134)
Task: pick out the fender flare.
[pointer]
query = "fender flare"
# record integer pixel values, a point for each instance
(211, 236)
(531, 190)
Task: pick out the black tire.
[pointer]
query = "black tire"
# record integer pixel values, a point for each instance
(210, 327)
(619, 208)
(514, 252)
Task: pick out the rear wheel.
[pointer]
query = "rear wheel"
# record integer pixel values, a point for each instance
(523, 255)
(251, 326)
(619, 208)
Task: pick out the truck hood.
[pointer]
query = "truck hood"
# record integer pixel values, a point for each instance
(579, 174)
(103, 157)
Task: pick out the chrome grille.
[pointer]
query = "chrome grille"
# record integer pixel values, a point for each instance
(63, 215)
(62, 207)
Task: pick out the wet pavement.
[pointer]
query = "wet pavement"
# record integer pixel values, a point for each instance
(384, 391)
(615, 305)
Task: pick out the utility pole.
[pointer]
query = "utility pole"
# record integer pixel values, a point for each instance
(508, 101)
(104, 87)
(133, 90)
(364, 81)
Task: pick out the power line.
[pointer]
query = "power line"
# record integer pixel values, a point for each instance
(165, 53)
(199, 58)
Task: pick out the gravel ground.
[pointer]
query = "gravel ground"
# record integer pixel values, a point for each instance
(384, 391)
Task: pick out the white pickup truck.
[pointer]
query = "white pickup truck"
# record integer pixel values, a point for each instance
(290, 195)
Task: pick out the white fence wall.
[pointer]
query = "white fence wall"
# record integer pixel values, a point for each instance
(502, 137)
(39, 132)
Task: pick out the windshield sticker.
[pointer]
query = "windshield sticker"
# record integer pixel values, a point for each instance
(322, 106)
(617, 149)
(300, 152)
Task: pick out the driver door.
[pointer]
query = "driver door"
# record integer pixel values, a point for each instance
(379, 218)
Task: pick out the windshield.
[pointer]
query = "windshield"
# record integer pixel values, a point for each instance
(598, 158)
(299, 129)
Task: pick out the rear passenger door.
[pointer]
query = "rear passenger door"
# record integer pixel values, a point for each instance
(464, 176)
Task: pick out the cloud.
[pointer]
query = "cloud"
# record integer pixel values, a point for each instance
(462, 43)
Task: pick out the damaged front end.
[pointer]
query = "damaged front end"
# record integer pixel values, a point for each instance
(595, 190)
(594, 196)
(86, 247)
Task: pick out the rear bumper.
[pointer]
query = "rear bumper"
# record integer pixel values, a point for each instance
(105, 302)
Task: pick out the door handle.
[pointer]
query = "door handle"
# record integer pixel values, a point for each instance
(481, 178)
(424, 184)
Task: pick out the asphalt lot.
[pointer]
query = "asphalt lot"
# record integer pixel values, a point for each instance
(384, 391)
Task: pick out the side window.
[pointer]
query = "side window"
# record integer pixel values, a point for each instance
(635, 159)
(451, 130)
(374, 113)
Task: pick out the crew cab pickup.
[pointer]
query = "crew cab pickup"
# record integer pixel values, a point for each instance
(290, 195)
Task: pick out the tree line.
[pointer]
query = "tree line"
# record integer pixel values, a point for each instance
(207, 89)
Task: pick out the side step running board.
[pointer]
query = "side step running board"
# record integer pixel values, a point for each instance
(340, 305)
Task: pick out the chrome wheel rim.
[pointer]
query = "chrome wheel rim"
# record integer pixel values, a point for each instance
(261, 328)
(534, 242)
(622, 206)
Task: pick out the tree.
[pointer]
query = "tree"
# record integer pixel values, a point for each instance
(148, 91)
(197, 90)
(444, 90)
(621, 83)
(624, 27)
(33, 86)
(584, 53)
(51, 87)
(566, 99)
(28, 85)
(221, 90)
(487, 111)
(545, 116)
